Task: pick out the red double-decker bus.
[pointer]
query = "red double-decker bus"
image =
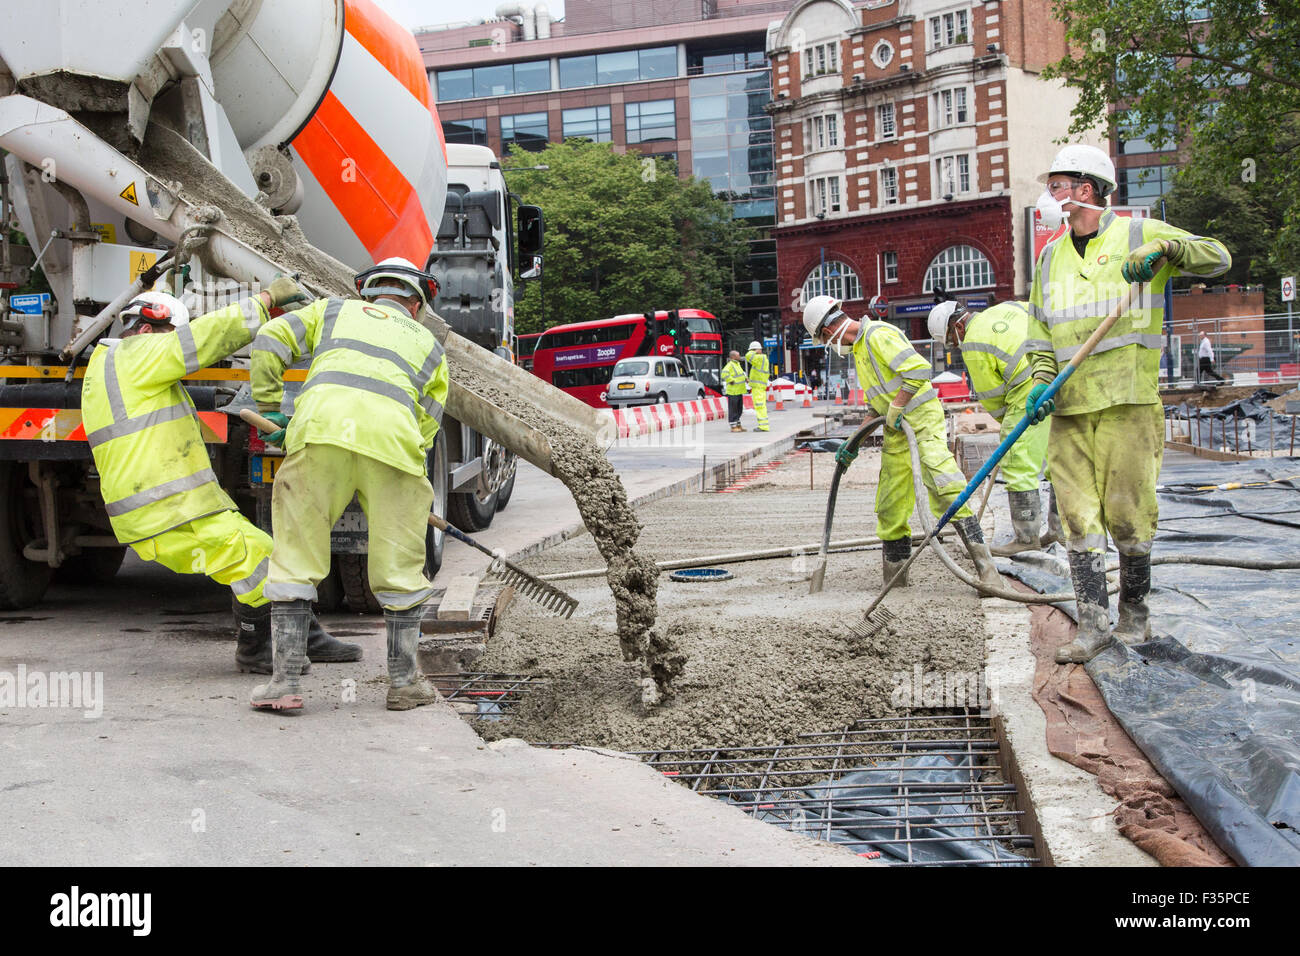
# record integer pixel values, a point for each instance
(524, 348)
(579, 357)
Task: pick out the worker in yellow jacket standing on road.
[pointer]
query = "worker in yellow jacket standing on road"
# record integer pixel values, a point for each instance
(162, 497)
(994, 347)
(760, 373)
(897, 385)
(1107, 438)
(733, 386)
(367, 415)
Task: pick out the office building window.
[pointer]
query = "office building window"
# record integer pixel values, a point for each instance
(890, 260)
(821, 132)
(883, 54)
(885, 128)
(501, 79)
(948, 29)
(1143, 185)
(952, 175)
(950, 107)
(731, 140)
(833, 278)
(651, 121)
(727, 60)
(525, 130)
(470, 131)
(590, 122)
(958, 268)
(889, 186)
(824, 195)
(620, 66)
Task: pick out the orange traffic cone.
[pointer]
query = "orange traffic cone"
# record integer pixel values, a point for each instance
(780, 405)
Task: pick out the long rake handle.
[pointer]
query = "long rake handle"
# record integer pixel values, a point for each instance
(442, 525)
(262, 424)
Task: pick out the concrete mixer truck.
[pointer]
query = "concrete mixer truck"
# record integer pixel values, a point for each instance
(205, 146)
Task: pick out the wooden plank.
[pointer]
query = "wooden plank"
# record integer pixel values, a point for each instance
(458, 600)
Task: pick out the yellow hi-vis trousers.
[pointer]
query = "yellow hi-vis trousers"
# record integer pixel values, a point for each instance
(1104, 468)
(312, 488)
(226, 546)
(759, 394)
(1023, 462)
(895, 496)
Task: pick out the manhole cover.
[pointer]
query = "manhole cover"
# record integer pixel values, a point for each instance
(701, 575)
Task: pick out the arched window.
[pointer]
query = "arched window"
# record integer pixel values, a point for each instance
(833, 278)
(958, 268)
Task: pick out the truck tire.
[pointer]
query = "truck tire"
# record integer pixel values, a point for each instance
(506, 490)
(353, 569)
(22, 582)
(92, 566)
(470, 513)
(329, 593)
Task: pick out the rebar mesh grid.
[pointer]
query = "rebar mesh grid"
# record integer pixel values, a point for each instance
(732, 481)
(859, 787)
(493, 694)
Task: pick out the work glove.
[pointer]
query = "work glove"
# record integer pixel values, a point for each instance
(277, 437)
(1140, 265)
(285, 291)
(846, 455)
(1033, 410)
(894, 417)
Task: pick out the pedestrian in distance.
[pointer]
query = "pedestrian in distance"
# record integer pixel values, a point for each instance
(733, 386)
(162, 496)
(363, 424)
(1107, 437)
(1205, 356)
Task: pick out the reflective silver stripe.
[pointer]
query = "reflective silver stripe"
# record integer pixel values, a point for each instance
(403, 598)
(1224, 259)
(430, 366)
(265, 343)
(1134, 548)
(250, 583)
(432, 407)
(1025, 373)
(361, 382)
(999, 413)
(1089, 542)
(116, 406)
(1017, 305)
(1037, 345)
(1045, 280)
(991, 393)
(299, 329)
(952, 478)
(1103, 223)
(129, 426)
(969, 346)
(374, 351)
(1135, 226)
(289, 592)
(331, 316)
(1147, 340)
(251, 310)
(1099, 309)
(130, 503)
(189, 349)
(897, 361)
(920, 398)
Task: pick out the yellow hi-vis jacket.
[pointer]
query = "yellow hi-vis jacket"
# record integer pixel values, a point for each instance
(995, 350)
(733, 378)
(376, 386)
(760, 369)
(884, 360)
(154, 470)
(1071, 295)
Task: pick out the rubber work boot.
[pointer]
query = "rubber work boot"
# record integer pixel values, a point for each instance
(407, 687)
(324, 648)
(1088, 569)
(1134, 626)
(1054, 533)
(1024, 523)
(290, 621)
(253, 638)
(894, 555)
(968, 529)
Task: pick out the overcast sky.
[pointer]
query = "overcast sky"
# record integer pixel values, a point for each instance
(419, 13)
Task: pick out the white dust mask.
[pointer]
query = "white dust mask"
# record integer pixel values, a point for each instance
(1050, 213)
(836, 344)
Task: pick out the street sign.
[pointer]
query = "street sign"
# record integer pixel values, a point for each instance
(1288, 288)
(29, 304)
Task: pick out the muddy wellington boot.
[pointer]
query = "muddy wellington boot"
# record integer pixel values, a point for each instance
(407, 687)
(968, 529)
(324, 648)
(1134, 626)
(1054, 535)
(1024, 524)
(894, 555)
(1088, 569)
(252, 638)
(290, 621)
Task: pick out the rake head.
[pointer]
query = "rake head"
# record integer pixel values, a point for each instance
(873, 623)
(553, 600)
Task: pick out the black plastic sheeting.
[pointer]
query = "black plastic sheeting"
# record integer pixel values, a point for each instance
(1245, 425)
(842, 811)
(1214, 699)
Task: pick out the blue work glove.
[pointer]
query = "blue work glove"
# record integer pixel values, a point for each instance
(1140, 265)
(894, 417)
(277, 437)
(1037, 414)
(846, 455)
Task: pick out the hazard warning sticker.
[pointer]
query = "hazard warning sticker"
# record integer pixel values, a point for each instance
(129, 194)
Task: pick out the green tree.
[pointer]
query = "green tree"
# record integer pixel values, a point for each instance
(623, 234)
(1220, 77)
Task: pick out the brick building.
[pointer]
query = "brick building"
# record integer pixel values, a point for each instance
(895, 122)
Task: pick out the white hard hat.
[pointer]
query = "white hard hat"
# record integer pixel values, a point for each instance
(755, 346)
(938, 320)
(819, 312)
(403, 280)
(155, 307)
(1083, 161)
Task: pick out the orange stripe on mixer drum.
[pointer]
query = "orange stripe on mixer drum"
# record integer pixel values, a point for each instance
(388, 43)
(371, 193)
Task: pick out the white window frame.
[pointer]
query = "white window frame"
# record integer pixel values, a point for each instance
(824, 196)
(949, 174)
(961, 268)
(846, 286)
(889, 186)
(951, 107)
(821, 59)
(882, 54)
(890, 260)
(822, 132)
(946, 27)
(881, 133)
